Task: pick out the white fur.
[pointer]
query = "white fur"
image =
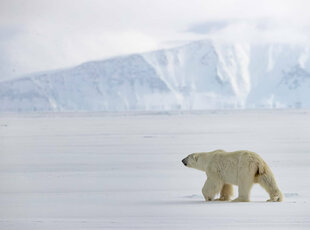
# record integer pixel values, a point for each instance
(224, 169)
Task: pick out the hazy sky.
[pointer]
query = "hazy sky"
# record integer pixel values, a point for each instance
(38, 35)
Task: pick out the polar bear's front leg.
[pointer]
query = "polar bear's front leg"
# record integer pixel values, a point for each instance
(211, 187)
(226, 193)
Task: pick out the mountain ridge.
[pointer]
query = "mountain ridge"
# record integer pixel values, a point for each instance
(196, 76)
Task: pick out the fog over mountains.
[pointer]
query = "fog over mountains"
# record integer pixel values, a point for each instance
(197, 76)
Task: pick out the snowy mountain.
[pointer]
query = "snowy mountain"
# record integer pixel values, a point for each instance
(199, 75)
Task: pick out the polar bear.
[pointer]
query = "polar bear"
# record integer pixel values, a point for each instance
(224, 169)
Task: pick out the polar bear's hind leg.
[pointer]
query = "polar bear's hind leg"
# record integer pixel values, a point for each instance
(244, 193)
(244, 188)
(268, 182)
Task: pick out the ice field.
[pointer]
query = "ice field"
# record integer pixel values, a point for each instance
(124, 171)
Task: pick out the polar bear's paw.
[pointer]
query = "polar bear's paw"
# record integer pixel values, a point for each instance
(239, 199)
(275, 199)
(222, 199)
(207, 199)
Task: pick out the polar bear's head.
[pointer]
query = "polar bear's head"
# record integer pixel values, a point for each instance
(193, 161)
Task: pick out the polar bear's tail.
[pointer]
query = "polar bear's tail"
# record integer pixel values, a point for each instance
(266, 179)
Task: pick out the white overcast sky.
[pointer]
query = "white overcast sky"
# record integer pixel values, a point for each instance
(37, 35)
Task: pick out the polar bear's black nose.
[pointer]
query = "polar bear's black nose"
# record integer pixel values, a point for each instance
(184, 161)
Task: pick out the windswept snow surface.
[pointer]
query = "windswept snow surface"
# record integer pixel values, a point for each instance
(124, 171)
(198, 76)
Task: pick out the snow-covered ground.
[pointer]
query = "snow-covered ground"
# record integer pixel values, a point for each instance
(124, 171)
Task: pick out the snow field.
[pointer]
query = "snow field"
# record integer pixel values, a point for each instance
(124, 170)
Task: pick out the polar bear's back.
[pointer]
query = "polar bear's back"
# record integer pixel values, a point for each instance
(230, 165)
(238, 155)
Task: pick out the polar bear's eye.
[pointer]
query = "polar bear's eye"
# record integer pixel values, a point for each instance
(195, 156)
